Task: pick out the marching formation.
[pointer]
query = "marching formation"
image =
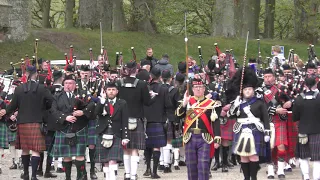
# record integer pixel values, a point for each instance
(262, 112)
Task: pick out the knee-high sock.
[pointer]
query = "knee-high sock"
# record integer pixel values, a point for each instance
(217, 155)
(148, 154)
(166, 155)
(60, 159)
(156, 157)
(316, 170)
(81, 168)
(281, 165)
(161, 159)
(48, 163)
(225, 151)
(25, 161)
(134, 166)
(304, 166)
(92, 153)
(113, 171)
(34, 165)
(245, 170)
(106, 172)
(1, 156)
(67, 166)
(176, 156)
(127, 165)
(254, 167)
(270, 170)
(41, 161)
(13, 153)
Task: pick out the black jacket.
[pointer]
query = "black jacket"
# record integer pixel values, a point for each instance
(174, 97)
(31, 104)
(118, 120)
(62, 107)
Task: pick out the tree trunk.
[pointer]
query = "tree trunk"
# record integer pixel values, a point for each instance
(142, 18)
(46, 4)
(224, 20)
(119, 21)
(300, 20)
(70, 4)
(104, 13)
(20, 19)
(88, 16)
(269, 19)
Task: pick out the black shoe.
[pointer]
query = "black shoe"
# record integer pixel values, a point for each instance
(270, 177)
(147, 173)
(176, 168)
(125, 177)
(93, 175)
(49, 175)
(52, 168)
(233, 160)
(60, 170)
(182, 163)
(0, 171)
(225, 168)
(155, 176)
(167, 170)
(13, 166)
(216, 166)
(25, 176)
(281, 176)
(230, 165)
(34, 178)
(40, 172)
(288, 170)
(161, 168)
(84, 177)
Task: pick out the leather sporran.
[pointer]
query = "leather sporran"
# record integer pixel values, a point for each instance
(71, 139)
(107, 140)
(132, 123)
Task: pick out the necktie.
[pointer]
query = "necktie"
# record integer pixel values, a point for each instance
(111, 102)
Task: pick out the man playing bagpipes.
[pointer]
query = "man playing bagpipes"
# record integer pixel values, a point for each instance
(201, 130)
(252, 128)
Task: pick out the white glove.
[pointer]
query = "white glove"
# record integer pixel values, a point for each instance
(124, 142)
(266, 138)
(237, 102)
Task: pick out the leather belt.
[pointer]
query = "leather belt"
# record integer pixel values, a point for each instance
(197, 131)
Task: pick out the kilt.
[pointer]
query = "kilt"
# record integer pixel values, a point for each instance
(30, 137)
(259, 143)
(314, 145)
(177, 142)
(170, 131)
(4, 144)
(227, 130)
(49, 141)
(92, 136)
(302, 151)
(137, 137)
(104, 155)
(281, 131)
(11, 136)
(156, 135)
(292, 134)
(61, 149)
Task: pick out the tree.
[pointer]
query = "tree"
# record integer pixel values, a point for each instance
(88, 16)
(269, 19)
(105, 14)
(70, 4)
(46, 4)
(224, 19)
(119, 21)
(20, 19)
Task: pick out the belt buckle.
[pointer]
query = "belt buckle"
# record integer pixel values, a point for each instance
(196, 131)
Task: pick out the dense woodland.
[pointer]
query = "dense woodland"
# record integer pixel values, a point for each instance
(280, 19)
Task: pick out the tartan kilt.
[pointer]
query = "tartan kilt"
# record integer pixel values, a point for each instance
(259, 143)
(227, 130)
(92, 136)
(29, 137)
(281, 131)
(156, 135)
(292, 131)
(49, 141)
(302, 151)
(61, 149)
(177, 142)
(137, 137)
(4, 143)
(115, 152)
(314, 145)
(12, 136)
(170, 130)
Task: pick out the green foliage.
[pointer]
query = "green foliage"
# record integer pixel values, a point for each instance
(54, 43)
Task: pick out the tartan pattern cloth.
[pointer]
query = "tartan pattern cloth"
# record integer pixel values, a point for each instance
(281, 131)
(197, 158)
(115, 152)
(314, 145)
(12, 136)
(29, 137)
(227, 130)
(4, 144)
(259, 143)
(61, 149)
(177, 142)
(49, 141)
(92, 136)
(137, 137)
(156, 135)
(292, 134)
(302, 151)
(170, 131)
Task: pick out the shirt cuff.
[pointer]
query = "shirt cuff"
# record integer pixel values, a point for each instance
(102, 100)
